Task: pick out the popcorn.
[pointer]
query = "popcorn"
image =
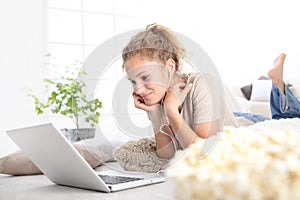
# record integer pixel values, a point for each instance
(243, 165)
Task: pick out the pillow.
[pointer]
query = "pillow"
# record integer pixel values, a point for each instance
(296, 90)
(140, 156)
(261, 90)
(247, 89)
(19, 164)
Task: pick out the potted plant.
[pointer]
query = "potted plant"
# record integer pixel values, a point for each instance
(66, 96)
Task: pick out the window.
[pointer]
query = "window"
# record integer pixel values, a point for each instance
(77, 27)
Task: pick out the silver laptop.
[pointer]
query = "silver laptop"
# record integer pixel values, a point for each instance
(56, 157)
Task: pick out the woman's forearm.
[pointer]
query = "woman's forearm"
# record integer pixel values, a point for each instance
(165, 147)
(165, 140)
(182, 131)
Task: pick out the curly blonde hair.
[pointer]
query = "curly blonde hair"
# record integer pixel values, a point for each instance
(155, 43)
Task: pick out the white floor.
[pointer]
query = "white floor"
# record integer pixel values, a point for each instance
(40, 187)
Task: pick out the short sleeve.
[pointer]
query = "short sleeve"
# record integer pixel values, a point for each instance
(207, 99)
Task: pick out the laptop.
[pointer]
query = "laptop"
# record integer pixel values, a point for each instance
(57, 158)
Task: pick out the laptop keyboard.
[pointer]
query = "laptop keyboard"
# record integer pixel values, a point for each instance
(112, 180)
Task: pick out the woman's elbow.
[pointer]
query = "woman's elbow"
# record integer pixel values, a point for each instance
(165, 154)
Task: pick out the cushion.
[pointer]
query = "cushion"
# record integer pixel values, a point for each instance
(19, 164)
(296, 90)
(247, 89)
(261, 90)
(140, 156)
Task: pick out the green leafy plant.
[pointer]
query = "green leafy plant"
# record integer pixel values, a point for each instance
(66, 97)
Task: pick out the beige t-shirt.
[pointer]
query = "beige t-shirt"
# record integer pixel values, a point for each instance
(204, 102)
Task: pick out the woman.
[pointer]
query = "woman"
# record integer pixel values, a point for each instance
(182, 108)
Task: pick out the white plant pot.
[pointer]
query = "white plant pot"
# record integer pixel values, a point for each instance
(74, 135)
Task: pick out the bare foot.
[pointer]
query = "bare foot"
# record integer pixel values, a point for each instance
(276, 73)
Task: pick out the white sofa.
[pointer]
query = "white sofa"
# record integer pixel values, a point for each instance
(258, 107)
(244, 105)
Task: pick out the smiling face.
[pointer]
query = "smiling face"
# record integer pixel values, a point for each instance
(150, 79)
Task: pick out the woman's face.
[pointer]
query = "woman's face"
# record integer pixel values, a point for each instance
(150, 79)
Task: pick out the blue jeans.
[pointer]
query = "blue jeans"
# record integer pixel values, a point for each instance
(252, 117)
(292, 107)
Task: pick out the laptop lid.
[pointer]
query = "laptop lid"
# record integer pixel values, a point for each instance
(56, 157)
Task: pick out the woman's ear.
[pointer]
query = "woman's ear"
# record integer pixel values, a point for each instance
(170, 63)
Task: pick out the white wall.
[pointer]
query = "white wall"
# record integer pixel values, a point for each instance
(244, 37)
(22, 48)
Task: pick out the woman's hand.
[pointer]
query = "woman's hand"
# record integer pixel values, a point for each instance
(139, 103)
(175, 97)
(155, 112)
